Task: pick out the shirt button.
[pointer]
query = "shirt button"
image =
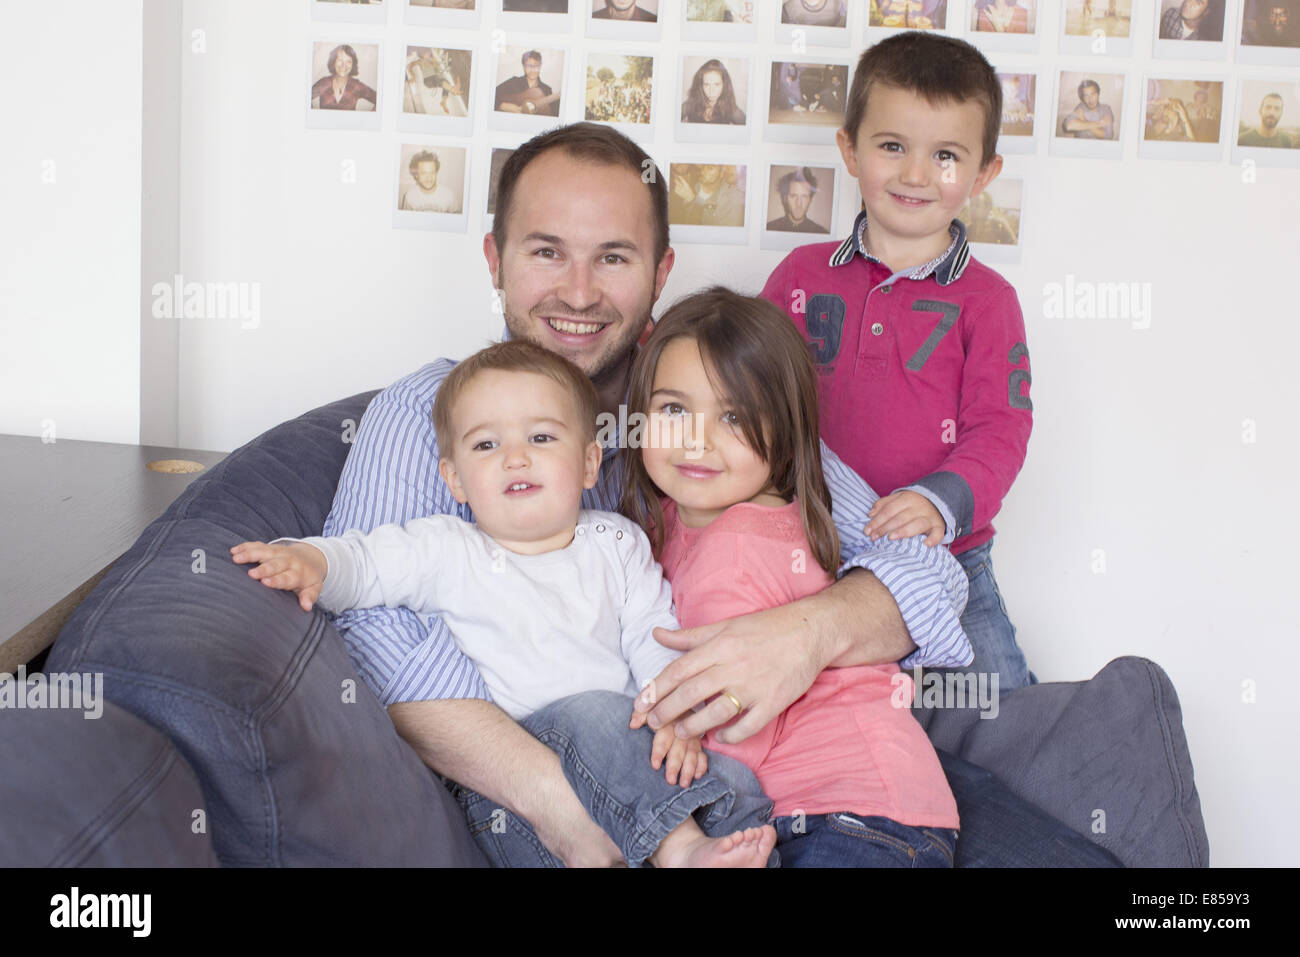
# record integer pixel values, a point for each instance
(886, 288)
(600, 528)
(581, 529)
(877, 328)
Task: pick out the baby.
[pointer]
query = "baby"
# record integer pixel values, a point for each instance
(547, 598)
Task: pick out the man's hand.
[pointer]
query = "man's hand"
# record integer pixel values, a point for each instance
(767, 660)
(905, 514)
(295, 567)
(684, 754)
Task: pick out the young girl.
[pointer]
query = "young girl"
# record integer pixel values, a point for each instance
(729, 488)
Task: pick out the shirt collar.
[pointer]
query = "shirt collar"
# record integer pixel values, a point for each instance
(946, 268)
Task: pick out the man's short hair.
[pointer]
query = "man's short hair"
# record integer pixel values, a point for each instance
(593, 143)
(1089, 83)
(530, 55)
(801, 174)
(424, 156)
(514, 355)
(939, 68)
(1271, 96)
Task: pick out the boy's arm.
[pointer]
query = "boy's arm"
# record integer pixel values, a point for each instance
(995, 418)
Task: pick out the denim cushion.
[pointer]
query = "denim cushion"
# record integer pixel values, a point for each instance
(106, 791)
(1107, 757)
(299, 763)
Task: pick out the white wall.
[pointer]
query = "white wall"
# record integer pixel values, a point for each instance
(1138, 446)
(70, 208)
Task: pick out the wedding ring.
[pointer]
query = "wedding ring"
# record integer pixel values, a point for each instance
(734, 700)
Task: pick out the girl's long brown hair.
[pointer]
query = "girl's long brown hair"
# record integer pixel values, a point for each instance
(754, 356)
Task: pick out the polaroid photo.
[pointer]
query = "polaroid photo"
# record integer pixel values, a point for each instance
(435, 84)
(528, 88)
(351, 11)
(432, 186)
(707, 203)
(823, 23)
(1182, 119)
(994, 220)
(1097, 27)
(343, 85)
(520, 19)
(1019, 132)
(454, 14)
(1269, 33)
(714, 99)
(496, 158)
(1267, 131)
(800, 207)
(890, 16)
(1193, 29)
(619, 91)
(623, 19)
(1089, 113)
(731, 21)
(806, 101)
(1004, 26)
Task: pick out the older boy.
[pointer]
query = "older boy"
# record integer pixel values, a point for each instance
(924, 372)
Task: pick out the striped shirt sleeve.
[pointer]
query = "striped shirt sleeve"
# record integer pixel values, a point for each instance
(391, 476)
(928, 584)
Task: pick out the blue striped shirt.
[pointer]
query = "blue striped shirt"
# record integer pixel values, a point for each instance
(391, 475)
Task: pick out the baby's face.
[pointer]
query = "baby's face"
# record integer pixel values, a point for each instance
(520, 459)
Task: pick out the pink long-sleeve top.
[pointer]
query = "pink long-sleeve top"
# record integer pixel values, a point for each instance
(849, 744)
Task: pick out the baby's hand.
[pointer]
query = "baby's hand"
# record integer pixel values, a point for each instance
(903, 515)
(684, 754)
(294, 567)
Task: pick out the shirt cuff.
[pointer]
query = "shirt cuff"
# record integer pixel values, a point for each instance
(952, 496)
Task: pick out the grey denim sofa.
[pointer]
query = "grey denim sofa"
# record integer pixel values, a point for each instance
(226, 698)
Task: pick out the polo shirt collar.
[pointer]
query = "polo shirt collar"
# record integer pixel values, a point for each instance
(946, 268)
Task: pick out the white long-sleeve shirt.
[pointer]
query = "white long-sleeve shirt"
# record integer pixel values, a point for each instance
(538, 627)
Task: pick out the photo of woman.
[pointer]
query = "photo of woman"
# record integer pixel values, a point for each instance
(340, 89)
(712, 97)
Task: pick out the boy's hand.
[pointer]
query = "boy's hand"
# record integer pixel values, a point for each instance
(903, 515)
(295, 567)
(684, 754)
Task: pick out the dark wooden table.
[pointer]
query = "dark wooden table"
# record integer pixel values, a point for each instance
(68, 510)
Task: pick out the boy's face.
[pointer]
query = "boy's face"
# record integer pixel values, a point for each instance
(906, 148)
(520, 429)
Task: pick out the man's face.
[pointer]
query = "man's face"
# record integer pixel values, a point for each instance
(711, 83)
(906, 152)
(532, 69)
(620, 6)
(1193, 10)
(342, 64)
(797, 201)
(1091, 97)
(1277, 18)
(698, 457)
(577, 269)
(519, 457)
(1270, 112)
(426, 174)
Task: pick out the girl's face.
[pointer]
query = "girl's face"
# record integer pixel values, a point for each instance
(695, 450)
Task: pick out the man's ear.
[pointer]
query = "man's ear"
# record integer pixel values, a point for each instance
(661, 273)
(492, 255)
(447, 469)
(591, 469)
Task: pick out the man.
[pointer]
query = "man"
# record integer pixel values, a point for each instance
(797, 188)
(704, 195)
(623, 10)
(579, 254)
(1271, 26)
(527, 94)
(426, 196)
(1091, 119)
(1267, 133)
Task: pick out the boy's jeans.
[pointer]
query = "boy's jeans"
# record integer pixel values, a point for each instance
(985, 621)
(851, 840)
(608, 766)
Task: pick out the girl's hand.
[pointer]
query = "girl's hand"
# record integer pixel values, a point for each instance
(684, 754)
(295, 567)
(903, 515)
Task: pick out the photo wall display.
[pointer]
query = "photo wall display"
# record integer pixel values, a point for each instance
(727, 85)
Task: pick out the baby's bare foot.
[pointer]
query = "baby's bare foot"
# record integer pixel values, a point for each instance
(748, 848)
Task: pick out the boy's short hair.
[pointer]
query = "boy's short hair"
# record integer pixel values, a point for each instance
(515, 355)
(942, 69)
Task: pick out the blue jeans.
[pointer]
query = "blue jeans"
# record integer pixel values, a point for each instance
(608, 766)
(992, 636)
(849, 840)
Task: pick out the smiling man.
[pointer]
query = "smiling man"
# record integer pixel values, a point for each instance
(579, 254)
